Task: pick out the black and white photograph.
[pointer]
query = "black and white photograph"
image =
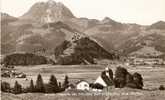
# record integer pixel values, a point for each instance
(82, 49)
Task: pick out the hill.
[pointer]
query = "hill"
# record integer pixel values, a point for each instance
(81, 51)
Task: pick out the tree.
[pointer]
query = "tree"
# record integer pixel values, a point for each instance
(110, 74)
(52, 86)
(129, 78)
(129, 81)
(106, 79)
(60, 48)
(53, 80)
(39, 84)
(17, 88)
(59, 84)
(161, 87)
(66, 82)
(138, 80)
(5, 87)
(120, 77)
(31, 87)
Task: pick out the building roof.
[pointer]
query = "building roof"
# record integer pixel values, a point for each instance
(81, 81)
(101, 81)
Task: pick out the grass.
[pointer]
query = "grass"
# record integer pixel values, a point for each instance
(153, 78)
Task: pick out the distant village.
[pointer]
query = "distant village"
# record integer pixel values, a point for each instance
(150, 61)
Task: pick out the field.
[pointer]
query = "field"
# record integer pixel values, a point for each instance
(153, 78)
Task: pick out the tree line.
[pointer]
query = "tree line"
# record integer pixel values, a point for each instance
(25, 59)
(122, 78)
(53, 86)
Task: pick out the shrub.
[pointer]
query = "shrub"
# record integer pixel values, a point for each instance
(17, 88)
(5, 87)
(96, 86)
(161, 87)
(39, 84)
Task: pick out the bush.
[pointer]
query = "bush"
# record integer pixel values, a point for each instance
(17, 88)
(161, 87)
(96, 86)
(5, 87)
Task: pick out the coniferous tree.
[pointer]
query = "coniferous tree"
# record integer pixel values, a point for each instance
(53, 81)
(66, 82)
(5, 87)
(106, 78)
(17, 88)
(110, 74)
(39, 84)
(53, 84)
(59, 84)
(31, 87)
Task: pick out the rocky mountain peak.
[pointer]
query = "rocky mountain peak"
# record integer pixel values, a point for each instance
(48, 12)
(107, 20)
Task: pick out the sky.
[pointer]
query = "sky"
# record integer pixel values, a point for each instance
(143, 12)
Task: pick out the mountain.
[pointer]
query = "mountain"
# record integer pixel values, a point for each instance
(158, 25)
(7, 42)
(48, 24)
(148, 45)
(6, 18)
(49, 12)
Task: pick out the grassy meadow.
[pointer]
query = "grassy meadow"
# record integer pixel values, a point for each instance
(153, 78)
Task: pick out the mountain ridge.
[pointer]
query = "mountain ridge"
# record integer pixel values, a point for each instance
(30, 31)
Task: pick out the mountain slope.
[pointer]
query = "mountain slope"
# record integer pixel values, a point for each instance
(151, 45)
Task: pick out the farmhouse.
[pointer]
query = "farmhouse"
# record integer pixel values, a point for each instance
(106, 80)
(100, 80)
(82, 85)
